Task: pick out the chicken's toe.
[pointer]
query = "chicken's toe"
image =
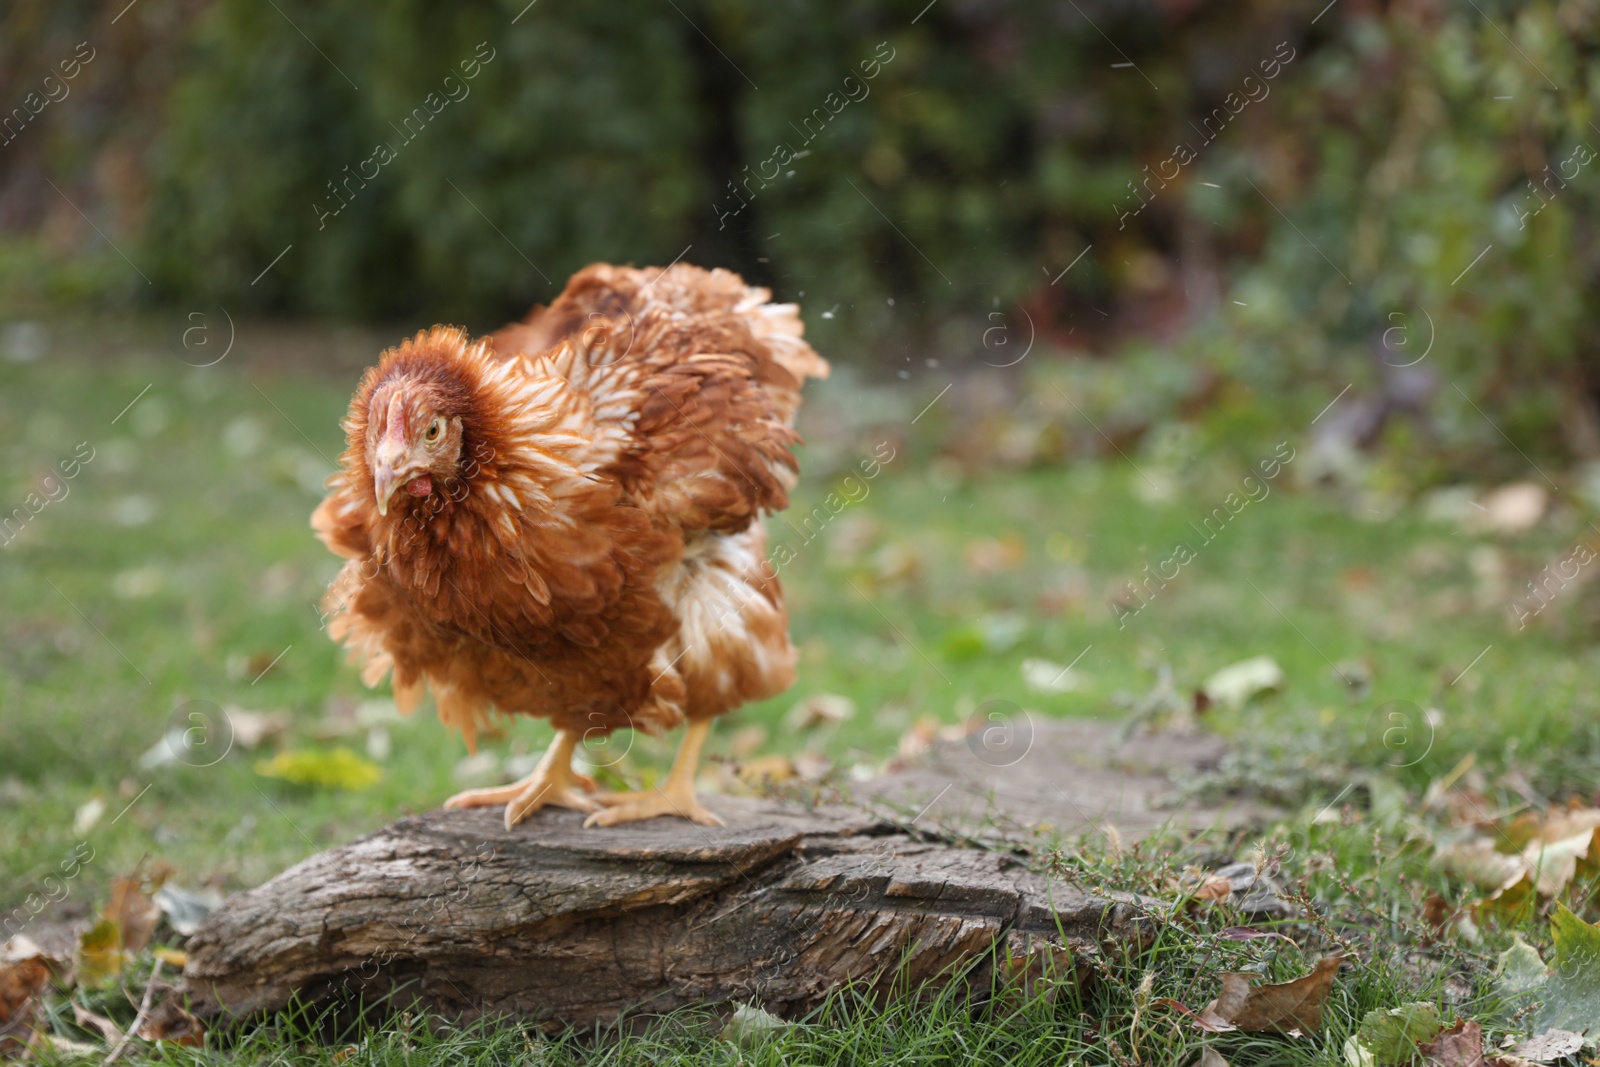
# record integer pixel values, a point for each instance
(485, 798)
(540, 794)
(637, 807)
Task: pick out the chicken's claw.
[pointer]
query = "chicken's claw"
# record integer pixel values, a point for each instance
(553, 782)
(617, 808)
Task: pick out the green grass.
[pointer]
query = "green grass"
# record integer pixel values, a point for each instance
(180, 564)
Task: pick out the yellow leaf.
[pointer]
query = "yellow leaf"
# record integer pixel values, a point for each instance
(332, 768)
(175, 957)
(100, 954)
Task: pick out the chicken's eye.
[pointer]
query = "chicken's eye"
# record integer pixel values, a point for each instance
(435, 428)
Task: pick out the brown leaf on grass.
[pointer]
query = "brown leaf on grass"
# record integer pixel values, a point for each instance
(765, 771)
(1438, 914)
(1459, 1046)
(1280, 1008)
(171, 1022)
(135, 914)
(988, 556)
(24, 974)
(1210, 1057)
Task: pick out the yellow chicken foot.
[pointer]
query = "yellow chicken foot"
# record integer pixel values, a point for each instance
(552, 782)
(674, 796)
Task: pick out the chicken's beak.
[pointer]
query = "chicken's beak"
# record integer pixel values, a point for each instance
(392, 456)
(389, 462)
(384, 480)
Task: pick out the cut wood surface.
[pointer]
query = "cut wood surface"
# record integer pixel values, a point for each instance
(1073, 777)
(569, 926)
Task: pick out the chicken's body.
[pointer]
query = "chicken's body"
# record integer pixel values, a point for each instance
(563, 520)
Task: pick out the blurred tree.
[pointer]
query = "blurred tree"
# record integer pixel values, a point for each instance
(1283, 196)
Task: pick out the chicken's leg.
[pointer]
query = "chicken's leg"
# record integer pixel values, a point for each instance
(552, 782)
(674, 796)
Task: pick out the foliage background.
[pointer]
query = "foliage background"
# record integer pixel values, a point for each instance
(997, 145)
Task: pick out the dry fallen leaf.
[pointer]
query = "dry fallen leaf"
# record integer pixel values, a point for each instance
(135, 914)
(750, 1024)
(20, 981)
(252, 728)
(1236, 683)
(1477, 861)
(184, 908)
(918, 740)
(24, 973)
(1512, 902)
(87, 815)
(1550, 1045)
(90, 1021)
(1047, 676)
(987, 555)
(1295, 1005)
(1510, 509)
(1458, 1046)
(820, 709)
(765, 770)
(812, 766)
(172, 1022)
(1210, 1057)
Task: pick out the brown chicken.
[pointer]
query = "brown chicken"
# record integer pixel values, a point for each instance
(563, 520)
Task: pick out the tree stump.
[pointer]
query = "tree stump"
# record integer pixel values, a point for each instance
(566, 926)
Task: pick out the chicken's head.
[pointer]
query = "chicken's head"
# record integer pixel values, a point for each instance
(414, 433)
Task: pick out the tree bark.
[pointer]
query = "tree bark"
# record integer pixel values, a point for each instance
(566, 926)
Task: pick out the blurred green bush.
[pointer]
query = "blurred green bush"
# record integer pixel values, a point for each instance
(1343, 170)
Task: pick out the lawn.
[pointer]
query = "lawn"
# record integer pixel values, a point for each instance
(175, 574)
